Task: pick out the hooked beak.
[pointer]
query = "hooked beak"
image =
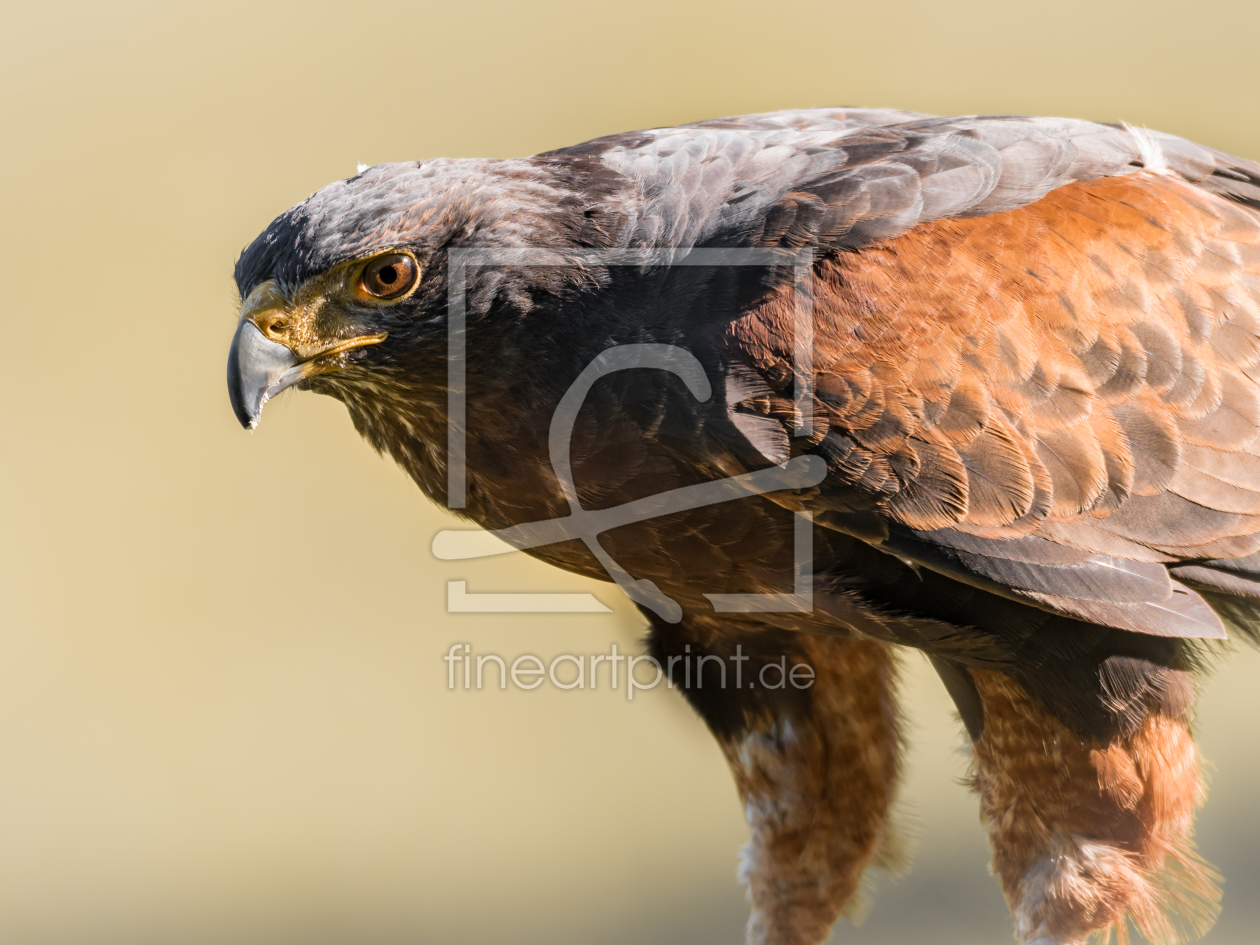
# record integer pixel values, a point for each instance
(257, 370)
(258, 367)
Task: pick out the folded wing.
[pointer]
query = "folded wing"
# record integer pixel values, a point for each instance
(1057, 402)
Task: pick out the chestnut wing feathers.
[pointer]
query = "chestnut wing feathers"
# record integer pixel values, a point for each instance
(1057, 402)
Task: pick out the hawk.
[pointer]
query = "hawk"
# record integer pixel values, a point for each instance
(1015, 365)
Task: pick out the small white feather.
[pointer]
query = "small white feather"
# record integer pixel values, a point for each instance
(360, 168)
(1149, 150)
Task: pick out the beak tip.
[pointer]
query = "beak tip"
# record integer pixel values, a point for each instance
(242, 417)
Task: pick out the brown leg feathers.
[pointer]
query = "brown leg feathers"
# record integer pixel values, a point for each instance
(1091, 834)
(817, 791)
(1087, 834)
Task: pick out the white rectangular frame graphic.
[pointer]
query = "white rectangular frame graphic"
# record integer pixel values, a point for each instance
(460, 261)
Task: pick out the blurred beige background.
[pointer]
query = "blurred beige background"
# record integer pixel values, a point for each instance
(223, 713)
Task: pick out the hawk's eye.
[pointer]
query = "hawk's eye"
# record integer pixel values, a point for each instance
(390, 276)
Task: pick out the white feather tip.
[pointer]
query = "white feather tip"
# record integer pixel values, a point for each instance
(1149, 151)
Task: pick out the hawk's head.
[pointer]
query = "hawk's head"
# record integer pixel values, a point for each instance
(349, 288)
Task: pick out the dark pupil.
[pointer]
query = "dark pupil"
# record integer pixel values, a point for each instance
(389, 275)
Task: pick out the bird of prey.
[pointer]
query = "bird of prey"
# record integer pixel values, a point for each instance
(1015, 365)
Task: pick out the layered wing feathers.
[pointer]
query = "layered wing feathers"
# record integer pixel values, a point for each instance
(858, 175)
(1079, 373)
